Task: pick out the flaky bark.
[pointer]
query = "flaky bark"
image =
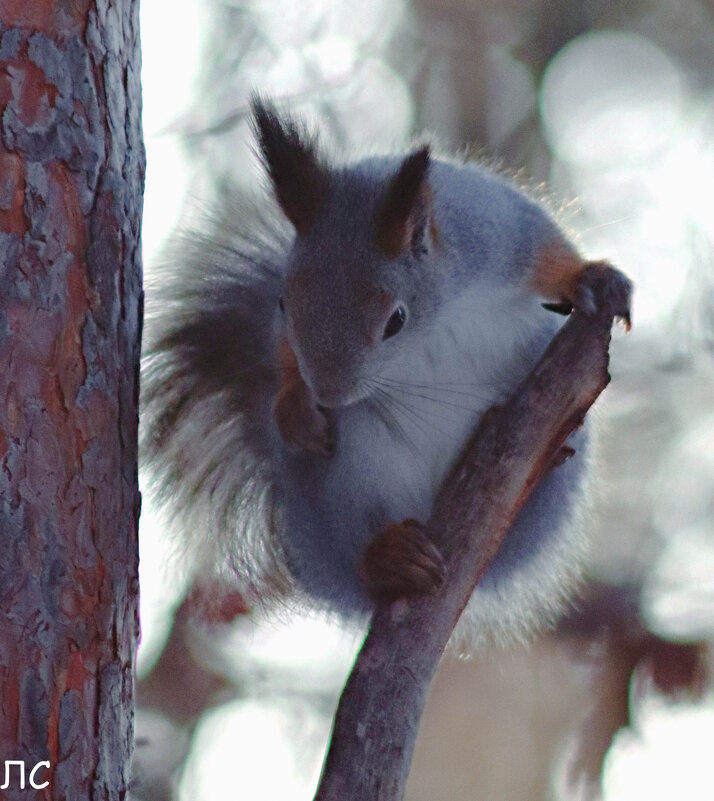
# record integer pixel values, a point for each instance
(71, 178)
(378, 716)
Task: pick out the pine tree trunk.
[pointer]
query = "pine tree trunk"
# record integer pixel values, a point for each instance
(71, 179)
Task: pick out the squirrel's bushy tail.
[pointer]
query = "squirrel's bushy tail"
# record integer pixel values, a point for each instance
(209, 376)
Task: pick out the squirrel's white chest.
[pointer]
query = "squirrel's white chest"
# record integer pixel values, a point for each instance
(475, 354)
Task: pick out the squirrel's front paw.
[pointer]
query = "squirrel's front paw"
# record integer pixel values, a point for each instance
(302, 425)
(401, 561)
(600, 284)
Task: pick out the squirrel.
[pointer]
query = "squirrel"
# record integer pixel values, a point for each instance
(314, 369)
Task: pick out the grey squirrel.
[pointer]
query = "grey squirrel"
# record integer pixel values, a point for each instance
(314, 369)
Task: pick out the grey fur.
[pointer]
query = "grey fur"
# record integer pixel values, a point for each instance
(296, 524)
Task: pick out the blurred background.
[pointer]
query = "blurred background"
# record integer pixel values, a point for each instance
(608, 108)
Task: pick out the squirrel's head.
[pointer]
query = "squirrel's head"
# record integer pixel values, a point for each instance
(361, 278)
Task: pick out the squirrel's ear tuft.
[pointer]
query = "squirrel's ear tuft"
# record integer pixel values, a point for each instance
(404, 218)
(289, 154)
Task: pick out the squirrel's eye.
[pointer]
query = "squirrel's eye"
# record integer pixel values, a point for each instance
(281, 304)
(395, 322)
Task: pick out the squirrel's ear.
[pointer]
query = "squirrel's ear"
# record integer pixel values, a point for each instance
(404, 218)
(289, 154)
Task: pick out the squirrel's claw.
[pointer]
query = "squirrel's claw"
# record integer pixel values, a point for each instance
(401, 562)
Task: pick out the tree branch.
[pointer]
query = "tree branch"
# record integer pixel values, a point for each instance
(513, 447)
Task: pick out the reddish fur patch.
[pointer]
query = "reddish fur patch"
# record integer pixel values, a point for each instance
(290, 381)
(289, 370)
(557, 271)
(301, 424)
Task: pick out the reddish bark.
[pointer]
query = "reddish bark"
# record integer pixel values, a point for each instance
(71, 176)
